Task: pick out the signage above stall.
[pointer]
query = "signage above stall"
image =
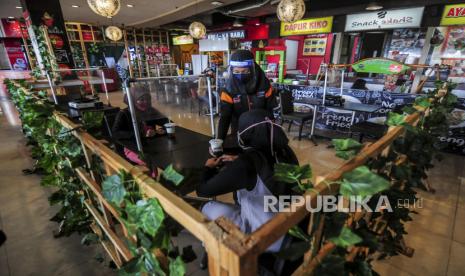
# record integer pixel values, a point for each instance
(379, 66)
(235, 34)
(453, 15)
(391, 19)
(183, 40)
(308, 26)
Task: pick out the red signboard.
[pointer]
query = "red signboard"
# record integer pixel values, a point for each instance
(15, 54)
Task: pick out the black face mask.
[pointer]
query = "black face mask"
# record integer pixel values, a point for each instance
(242, 77)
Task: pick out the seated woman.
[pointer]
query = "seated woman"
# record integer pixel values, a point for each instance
(150, 120)
(249, 175)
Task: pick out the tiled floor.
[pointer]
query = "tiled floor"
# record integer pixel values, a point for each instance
(31, 248)
(436, 233)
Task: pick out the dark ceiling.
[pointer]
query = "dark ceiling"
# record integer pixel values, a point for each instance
(315, 8)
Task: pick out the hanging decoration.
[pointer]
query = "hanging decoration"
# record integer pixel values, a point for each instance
(106, 8)
(197, 30)
(290, 11)
(113, 33)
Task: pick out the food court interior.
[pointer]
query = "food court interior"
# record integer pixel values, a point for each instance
(149, 137)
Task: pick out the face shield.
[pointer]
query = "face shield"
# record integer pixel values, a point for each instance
(242, 70)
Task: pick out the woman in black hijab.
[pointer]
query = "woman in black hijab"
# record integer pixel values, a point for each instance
(145, 115)
(246, 89)
(249, 175)
(149, 120)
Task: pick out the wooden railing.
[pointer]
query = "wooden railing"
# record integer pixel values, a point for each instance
(230, 251)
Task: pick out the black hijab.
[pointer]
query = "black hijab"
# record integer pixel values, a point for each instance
(138, 92)
(257, 82)
(266, 137)
(258, 134)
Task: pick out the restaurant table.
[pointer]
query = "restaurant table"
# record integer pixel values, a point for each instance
(349, 106)
(187, 152)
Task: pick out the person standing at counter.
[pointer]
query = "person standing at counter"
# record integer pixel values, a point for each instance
(247, 88)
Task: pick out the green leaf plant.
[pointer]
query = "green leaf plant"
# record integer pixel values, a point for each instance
(395, 174)
(145, 219)
(58, 153)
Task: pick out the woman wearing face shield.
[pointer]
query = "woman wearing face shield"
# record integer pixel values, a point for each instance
(246, 89)
(249, 175)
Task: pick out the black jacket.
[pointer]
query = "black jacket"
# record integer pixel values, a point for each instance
(235, 101)
(242, 174)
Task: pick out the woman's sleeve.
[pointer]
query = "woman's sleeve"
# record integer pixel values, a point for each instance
(122, 128)
(239, 174)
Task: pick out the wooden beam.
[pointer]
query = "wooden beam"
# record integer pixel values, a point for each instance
(115, 240)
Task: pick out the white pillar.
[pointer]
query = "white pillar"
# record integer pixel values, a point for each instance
(336, 55)
(423, 57)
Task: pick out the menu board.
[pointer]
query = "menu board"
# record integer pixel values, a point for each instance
(315, 46)
(406, 45)
(450, 50)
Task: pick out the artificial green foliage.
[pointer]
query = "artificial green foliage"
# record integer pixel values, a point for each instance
(293, 174)
(362, 182)
(386, 176)
(145, 219)
(57, 153)
(395, 119)
(297, 232)
(113, 190)
(346, 148)
(346, 238)
(172, 175)
(48, 61)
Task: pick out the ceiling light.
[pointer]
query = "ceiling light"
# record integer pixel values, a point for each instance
(257, 24)
(106, 8)
(18, 7)
(373, 6)
(216, 3)
(197, 30)
(114, 33)
(238, 23)
(290, 11)
(130, 5)
(75, 6)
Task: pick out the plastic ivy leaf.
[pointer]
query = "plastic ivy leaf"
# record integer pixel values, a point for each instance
(298, 233)
(346, 148)
(177, 267)
(152, 266)
(133, 267)
(395, 119)
(346, 238)
(113, 189)
(146, 215)
(172, 175)
(409, 110)
(422, 102)
(92, 119)
(289, 173)
(362, 182)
